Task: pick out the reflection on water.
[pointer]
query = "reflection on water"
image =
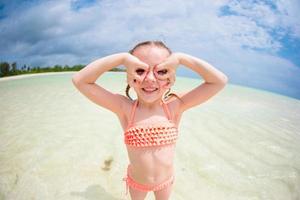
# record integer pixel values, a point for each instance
(55, 144)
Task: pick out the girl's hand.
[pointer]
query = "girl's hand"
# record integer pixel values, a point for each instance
(166, 71)
(136, 69)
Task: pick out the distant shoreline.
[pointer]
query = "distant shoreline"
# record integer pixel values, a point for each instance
(30, 75)
(34, 74)
(21, 76)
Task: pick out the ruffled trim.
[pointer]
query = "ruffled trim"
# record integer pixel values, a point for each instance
(141, 136)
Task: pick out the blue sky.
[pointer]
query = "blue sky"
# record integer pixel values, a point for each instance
(255, 43)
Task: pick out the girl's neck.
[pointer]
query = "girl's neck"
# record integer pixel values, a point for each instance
(149, 106)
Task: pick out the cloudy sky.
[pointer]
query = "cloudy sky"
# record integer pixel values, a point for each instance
(255, 43)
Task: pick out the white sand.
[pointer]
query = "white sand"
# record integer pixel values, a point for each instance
(241, 145)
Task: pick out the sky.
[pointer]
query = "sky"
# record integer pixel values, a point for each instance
(255, 43)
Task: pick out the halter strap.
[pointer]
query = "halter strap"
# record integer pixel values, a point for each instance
(132, 113)
(165, 107)
(167, 111)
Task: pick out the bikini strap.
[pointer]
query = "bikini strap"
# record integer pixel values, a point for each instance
(130, 123)
(166, 109)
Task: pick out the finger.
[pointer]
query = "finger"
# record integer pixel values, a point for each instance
(160, 66)
(161, 71)
(165, 65)
(137, 73)
(143, 65)
(169, 81)
(133, 80)
(164, 75)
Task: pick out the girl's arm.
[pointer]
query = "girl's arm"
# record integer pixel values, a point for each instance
(215, 81)
(84, 80)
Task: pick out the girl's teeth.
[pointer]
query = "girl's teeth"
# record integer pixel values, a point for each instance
(149, 90)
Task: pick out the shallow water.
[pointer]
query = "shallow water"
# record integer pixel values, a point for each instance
(243, 144)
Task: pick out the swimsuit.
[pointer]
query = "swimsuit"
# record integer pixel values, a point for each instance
(150, 135)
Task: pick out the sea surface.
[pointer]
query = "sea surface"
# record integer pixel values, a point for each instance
(55, 144)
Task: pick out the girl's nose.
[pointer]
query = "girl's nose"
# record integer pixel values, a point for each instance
(150, 76)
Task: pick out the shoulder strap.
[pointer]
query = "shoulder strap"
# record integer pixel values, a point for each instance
(132, 113)
(167, 111)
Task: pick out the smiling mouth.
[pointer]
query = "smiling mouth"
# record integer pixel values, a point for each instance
(149, 90)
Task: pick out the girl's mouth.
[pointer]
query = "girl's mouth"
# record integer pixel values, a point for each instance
(149, 90)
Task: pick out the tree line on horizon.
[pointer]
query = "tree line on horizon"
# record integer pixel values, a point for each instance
(7, 69)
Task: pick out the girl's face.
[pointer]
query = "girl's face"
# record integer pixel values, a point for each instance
(151, 89)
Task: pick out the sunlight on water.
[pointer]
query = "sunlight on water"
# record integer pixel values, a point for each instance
(243, 144)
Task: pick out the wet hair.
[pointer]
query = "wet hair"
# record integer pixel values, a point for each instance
(155, 43)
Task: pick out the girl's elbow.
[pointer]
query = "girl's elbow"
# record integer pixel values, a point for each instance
(225, 79)
(75, 79)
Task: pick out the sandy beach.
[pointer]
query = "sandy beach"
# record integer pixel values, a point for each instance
(31, 75)
(242, 145)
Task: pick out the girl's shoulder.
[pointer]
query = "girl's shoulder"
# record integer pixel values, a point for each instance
(173, 104)
(175, 99)
(127, 103)
(125, 111)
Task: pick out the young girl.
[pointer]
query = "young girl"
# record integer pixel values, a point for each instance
(150, 122)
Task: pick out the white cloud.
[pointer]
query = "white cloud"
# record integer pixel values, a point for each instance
(290, 15)
(283, 14)
(52, 33)
(126, 21)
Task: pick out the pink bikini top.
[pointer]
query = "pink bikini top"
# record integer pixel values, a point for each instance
(154, 134)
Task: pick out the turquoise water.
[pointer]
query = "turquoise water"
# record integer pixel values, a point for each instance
(243, 144)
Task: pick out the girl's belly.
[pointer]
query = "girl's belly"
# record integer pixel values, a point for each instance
(151, 165)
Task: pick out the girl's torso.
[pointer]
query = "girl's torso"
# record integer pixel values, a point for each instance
(151, 164)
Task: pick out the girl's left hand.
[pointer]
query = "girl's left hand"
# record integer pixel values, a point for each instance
(166, 71)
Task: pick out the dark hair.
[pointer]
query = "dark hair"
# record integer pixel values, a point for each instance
(156, 44)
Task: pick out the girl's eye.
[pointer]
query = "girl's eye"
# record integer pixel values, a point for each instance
(140, 71)
(162, 72)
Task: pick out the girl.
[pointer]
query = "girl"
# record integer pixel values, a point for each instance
(150, 122)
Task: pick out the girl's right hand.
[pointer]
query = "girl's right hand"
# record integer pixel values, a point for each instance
(136, 69)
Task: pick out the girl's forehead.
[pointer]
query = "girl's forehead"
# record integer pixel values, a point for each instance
(151, 55)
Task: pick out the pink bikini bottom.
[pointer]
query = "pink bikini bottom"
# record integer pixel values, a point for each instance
(145, 188)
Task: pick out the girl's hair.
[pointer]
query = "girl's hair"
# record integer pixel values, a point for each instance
(155, 43)
(151, 43)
